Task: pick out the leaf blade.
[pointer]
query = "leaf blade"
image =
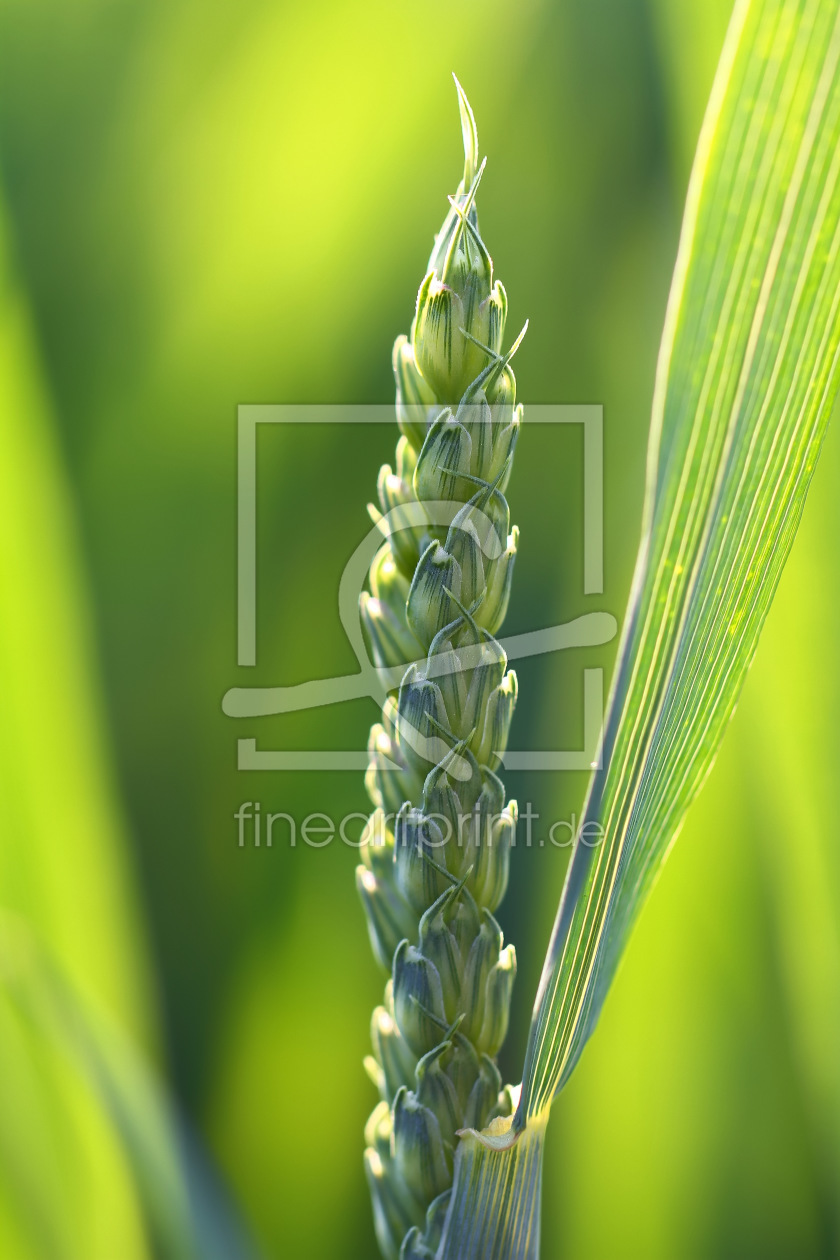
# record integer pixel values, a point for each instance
(747, 373)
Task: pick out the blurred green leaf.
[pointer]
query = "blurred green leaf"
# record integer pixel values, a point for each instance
(91, 1162)
(178, 1214)
(63, 861)
(791, 783)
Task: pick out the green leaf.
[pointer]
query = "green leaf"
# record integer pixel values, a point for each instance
(63, 863)
(90, 1079)
(62, 858)
(93, 1161)
(746, 379)
(495, 1209)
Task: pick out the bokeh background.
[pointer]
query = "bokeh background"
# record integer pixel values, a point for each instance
(208, 204)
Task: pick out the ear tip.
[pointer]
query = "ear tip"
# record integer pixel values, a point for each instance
(469, 131)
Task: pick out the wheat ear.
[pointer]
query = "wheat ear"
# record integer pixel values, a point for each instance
(436, 848)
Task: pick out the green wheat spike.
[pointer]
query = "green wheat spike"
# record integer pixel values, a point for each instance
(435, 861)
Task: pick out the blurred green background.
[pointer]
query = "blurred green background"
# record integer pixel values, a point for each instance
(209, 204)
